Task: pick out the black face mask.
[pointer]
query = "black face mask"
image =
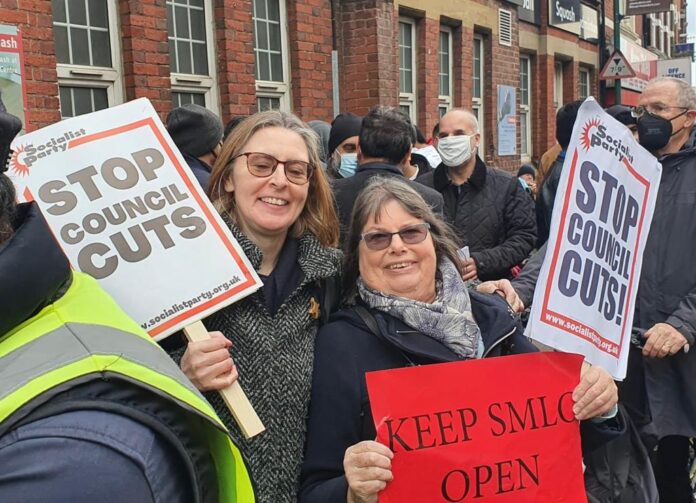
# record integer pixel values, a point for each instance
(654, 131)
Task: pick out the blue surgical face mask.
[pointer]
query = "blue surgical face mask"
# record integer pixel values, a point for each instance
(348, 166)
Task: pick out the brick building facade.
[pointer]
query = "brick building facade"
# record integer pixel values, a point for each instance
(316, 57)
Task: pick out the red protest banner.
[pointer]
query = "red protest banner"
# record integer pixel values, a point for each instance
(495, 430)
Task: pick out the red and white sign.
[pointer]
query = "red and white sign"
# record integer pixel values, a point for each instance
(13, 92)
(617, 67)
(585, 296)
(124, 206)
(477, 431)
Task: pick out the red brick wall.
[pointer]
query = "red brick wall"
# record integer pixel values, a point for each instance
(504, 70)
(428, 65)
(310, 34)
(34, 19)
(571, 81)
(463, 66)
(368, 55)
(594, 83)
(234, 37)
(544, 124)
(146, 52)
(367, 41)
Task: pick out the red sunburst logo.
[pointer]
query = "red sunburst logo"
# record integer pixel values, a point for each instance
(585, 135)
(16, 165)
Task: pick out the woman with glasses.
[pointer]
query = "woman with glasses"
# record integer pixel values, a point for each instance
(268, 185)
(411, 307)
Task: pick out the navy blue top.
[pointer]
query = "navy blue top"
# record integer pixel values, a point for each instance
(87, 457)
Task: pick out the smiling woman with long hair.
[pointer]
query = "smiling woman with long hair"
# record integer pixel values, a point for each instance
(269, 186)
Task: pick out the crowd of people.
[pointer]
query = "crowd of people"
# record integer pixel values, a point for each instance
(412, 261)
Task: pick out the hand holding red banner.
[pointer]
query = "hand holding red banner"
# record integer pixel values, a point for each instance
(497, 430)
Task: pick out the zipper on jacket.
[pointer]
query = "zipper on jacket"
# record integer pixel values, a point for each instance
(498, 342)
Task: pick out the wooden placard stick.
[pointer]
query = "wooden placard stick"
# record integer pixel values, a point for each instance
(234, 397)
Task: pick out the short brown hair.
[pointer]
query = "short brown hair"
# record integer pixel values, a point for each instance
(372, 199)
(318, 216)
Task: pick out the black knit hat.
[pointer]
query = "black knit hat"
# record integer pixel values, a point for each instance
(195, 129)
(527, 169)
(621, 113)
(343, 126)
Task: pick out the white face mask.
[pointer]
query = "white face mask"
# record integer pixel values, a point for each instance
(454, 150)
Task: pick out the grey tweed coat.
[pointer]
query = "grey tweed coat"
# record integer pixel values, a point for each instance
(275, 356)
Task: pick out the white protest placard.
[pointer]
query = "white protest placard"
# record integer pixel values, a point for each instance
(585, 297)
(125, 208)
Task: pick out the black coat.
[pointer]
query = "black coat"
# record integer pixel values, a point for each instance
(492, 215)
(345, 350)
(346, 190)
(667, 294)
(547, 197)
(34, 271)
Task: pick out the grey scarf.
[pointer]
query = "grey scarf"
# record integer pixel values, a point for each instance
(448, 320)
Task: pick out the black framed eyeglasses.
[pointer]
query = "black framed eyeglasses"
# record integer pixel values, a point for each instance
(655, 109)
(411, 234)
(264, 165)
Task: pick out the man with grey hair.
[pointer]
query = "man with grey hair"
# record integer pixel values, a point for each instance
(488, 208)
(659, 391)
(660, 388)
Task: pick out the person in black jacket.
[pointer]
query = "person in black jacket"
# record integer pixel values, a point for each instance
(565, 120)
(403, 269)
(488, 208)
(386, 138)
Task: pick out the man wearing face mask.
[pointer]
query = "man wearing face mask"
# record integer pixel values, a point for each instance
(488, 208)
(197, 132)
(343, 145)
(663, 397)
(384, 149)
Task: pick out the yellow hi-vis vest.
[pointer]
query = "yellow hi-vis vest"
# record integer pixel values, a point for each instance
(85, 333)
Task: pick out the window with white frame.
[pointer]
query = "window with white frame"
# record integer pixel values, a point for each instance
(407, 67)
(525, 107)
(584, 83)
(445, 71)
(558, 85)
(192, 52)
(653, 26)
(478, 85)
(88, 55)
(180, 98)
(271, 51)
